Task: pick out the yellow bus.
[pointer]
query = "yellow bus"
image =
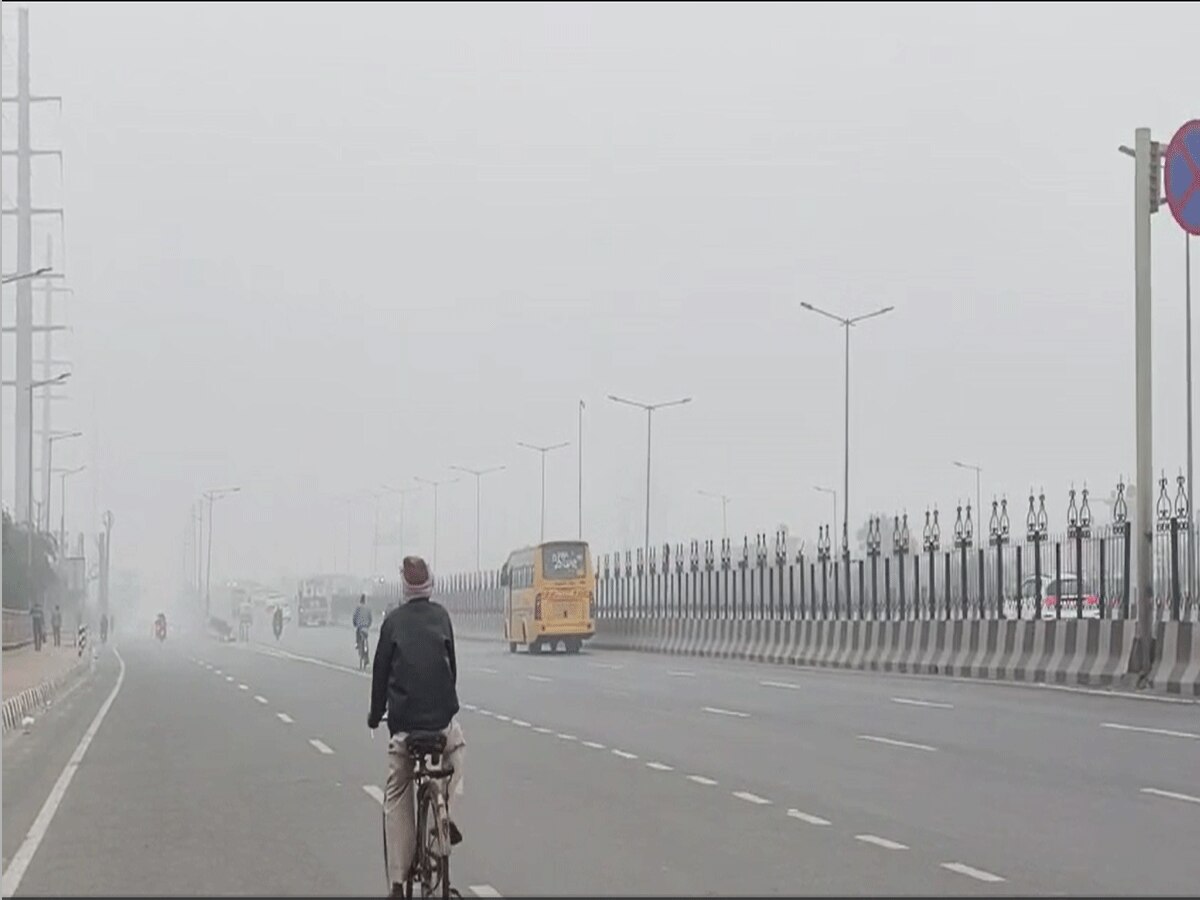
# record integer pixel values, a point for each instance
(548, 595)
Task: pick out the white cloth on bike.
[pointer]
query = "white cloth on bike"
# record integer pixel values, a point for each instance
(399, 801)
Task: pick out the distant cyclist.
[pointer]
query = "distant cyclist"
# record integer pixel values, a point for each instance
(362, 624)
(415, 679)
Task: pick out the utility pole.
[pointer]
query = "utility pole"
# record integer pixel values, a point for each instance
(24, 321)
(210, 496)
(582, 407)
(543, 451)
(478, 473)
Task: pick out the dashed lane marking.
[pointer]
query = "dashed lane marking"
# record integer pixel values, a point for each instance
(320, 746)
(242, 687)
(538, 678)
(751, 798)
(521, 723)
(905, 701)
(894, 743)
(680, 673)
(1171, 795)
(541, 730)
(374, 792)
(787, 685)
(700, 779)
(565, 737)
(596, 665)
(624, 754)
(972, 872)
(659, 767)
(284, 718)
(484, 890)
(880, 842)
(260, 698)
(593, 744)
(717, 711)
(1163, 731)
(805, 817)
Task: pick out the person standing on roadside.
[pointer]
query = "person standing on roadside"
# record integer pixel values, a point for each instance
(56, 625)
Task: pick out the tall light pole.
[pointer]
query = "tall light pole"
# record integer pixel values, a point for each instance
(543, 451)
(582, 407)
(62, 521)
(978, 472)
(832, 493)
(211, 496)
(1187, 292)
(34, 385)
(435, 485)
(847, 324)
(403, 492)
(478, 473)
(49, 461)
(649, 408)
(724, 498)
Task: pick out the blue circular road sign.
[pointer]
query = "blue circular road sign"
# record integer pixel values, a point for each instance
(1181, 175)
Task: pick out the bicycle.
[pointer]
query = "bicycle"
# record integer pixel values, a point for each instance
(360, 639)
(431, 781)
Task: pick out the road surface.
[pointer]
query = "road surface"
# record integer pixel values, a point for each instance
(223, 768)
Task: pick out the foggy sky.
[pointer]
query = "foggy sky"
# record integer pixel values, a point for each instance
(320, 248)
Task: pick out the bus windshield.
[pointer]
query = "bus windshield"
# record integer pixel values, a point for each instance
(564, 561)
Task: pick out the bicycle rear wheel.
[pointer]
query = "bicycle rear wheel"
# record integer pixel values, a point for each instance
(433, 840)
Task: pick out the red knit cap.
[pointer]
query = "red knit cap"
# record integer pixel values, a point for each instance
(418, 580)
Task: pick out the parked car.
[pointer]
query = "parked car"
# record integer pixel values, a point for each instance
(1070, 601)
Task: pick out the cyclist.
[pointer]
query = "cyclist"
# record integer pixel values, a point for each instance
(415, 678)
(362, 623)
(277, 621)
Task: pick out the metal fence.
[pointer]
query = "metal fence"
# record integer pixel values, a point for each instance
(1079, 572)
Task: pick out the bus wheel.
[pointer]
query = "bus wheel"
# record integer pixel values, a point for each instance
(574, 645)
(512, 646)
(535, 647)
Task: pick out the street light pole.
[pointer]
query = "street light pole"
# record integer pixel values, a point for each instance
(49, 462)
(62, 522)
(978, 472)
(649, 408)
(724, 498)
(478, 473)
(435, 485)
(543, 451)
(403, 492)
(832, 493)
(847, 324)
(34, 385)
(210, 496)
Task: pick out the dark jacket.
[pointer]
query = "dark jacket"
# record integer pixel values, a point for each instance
(416, 673)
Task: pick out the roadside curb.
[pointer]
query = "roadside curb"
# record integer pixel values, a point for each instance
(42, 695)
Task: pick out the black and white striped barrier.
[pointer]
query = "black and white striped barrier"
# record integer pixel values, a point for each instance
(38, 697)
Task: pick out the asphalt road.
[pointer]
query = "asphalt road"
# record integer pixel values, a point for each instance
(608, 773)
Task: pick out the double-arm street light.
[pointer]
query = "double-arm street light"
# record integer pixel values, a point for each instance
(846, 324)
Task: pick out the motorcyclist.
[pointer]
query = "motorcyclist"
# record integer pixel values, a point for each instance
(160, 626)
(362, 622)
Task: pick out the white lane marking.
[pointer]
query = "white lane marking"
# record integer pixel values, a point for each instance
(894, 743)
(285, 718)
(1171, 795)
(880, 842)
(503, 718)
(565, 737)
(624, 754)
(520, 723)
(717, 711)
(538, 678)
(781, 684)
(681, 674)
(374, 792)
(484, 670)
(596, 665)
(541, 730)
(932, 705)
(229, 678)
(659, 767)
(700, 779)
(216, 671)
(37, 831)
(242, 687)
(471, 706)
(972, 872)
(260, 698)
(1163, 731)
(320, 746)
(751, 798)
(485, 712)
(805, 817)
(484, 890)
(593, 745)
(296, 657)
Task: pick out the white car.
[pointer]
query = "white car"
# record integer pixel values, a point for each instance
(1069, 602)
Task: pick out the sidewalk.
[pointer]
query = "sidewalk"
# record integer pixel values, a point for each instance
(25, 668)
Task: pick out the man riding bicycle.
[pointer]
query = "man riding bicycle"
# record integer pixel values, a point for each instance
(362, 623)
(415, 678)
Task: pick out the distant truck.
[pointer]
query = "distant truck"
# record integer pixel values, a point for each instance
(314, 603)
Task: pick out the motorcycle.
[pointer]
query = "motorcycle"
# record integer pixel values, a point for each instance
(160, 630)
